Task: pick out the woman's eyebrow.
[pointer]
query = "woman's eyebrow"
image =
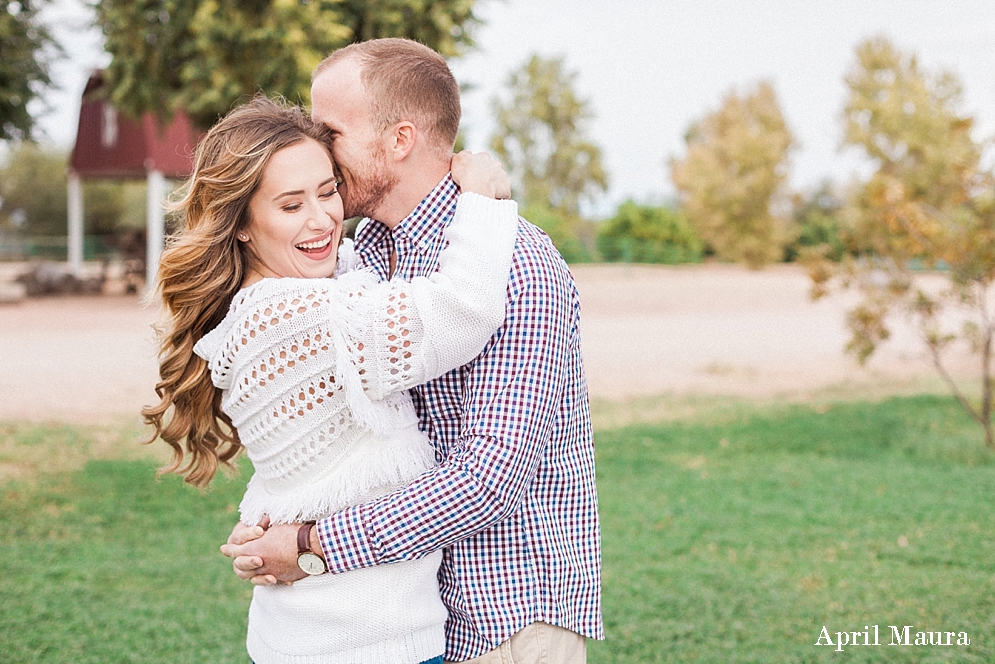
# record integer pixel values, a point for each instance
(300, 192)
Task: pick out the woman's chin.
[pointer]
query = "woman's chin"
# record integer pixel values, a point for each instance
(321, 270)
(317, 264)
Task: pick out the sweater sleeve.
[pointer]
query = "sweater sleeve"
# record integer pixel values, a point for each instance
(415, 331)
(303, 337)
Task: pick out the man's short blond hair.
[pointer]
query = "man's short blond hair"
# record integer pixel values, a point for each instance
(405, 80)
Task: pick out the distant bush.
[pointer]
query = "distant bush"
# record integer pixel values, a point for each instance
(816, 218)
(820, 230)
(648, 234)
(33, 190)
(33, 195)
(562, 231)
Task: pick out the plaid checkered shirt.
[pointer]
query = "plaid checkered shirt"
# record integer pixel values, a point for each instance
(513, 503)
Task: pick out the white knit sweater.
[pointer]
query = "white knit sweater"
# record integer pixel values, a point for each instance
(312, 373)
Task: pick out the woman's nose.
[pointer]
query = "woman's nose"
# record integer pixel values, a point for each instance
(317, 217)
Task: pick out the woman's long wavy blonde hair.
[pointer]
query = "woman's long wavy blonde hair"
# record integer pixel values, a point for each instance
(200, 272)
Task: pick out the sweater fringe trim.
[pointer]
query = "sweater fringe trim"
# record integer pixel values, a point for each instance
(348, 484)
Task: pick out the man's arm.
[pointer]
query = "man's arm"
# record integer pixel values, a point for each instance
(509, 408)
(510, 404)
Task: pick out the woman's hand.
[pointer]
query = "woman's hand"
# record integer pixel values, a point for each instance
(263, 554)
(247, 567)
(480, 173)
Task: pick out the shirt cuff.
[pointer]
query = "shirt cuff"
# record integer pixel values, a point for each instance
(344, 541)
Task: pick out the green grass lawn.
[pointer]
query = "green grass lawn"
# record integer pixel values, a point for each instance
(732, 538)
(108, 565)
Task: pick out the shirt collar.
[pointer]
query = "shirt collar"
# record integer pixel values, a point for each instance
(422, 225)
(369, 232)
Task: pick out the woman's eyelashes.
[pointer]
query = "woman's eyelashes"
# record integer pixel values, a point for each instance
(324, 195)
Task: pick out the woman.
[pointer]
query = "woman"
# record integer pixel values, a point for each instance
(263, 350)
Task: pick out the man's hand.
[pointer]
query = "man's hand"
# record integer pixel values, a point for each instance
(480, 173)
(264, 554)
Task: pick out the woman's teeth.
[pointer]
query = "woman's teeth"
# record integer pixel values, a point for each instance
(315, 245)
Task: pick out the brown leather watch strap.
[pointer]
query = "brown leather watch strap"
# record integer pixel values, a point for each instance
(304, 538)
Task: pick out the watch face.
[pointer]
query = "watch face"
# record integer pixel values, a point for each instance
(311, 563)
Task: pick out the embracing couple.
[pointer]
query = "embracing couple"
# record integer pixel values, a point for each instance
(414, 404)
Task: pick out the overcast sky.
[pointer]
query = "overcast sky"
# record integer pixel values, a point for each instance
(650, 67)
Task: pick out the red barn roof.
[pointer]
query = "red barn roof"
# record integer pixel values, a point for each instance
(109, 145)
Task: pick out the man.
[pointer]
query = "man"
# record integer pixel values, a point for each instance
(513, 503)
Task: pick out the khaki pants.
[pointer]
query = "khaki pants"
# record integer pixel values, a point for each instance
(539, 643)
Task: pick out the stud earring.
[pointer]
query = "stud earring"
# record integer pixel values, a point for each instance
(243, 237)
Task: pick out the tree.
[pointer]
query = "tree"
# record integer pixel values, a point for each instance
(445, 26)
(817, 225)
(33, 182)
(928, 205)
(732, 178)
(26, 52)
(204, 56)
(34, 200)
(561, 231)
(540, 138)
(648, 234)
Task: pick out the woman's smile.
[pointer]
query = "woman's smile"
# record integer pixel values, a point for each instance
(319, 248)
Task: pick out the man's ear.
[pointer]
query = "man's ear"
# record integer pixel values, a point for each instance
(403, 137)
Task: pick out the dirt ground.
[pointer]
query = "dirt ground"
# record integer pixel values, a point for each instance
(646, 331)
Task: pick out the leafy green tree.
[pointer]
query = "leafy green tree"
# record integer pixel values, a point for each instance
(104, 207)
(33, 182)
(817, 229)
(930, 204)
(540, 138)
(203, 56)
(26, 53)
(33, 193)
(445, 26)
(562, 231)
(648, 234)
(732, 178)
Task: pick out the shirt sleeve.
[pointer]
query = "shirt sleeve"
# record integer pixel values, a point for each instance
(416, 331)
(509, 407)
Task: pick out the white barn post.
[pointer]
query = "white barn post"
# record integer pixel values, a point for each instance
(155, 224)
(74, 241)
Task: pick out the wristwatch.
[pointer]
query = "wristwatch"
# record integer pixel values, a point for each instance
(309, 561)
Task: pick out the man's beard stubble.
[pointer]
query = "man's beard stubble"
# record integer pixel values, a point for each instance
(369, 187)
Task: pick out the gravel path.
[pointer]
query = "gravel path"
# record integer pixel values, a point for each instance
(726, 330)
(646, 331)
